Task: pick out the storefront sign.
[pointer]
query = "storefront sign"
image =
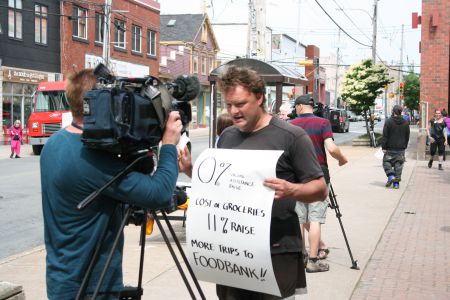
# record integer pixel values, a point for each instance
(23, 76)
(118, 67)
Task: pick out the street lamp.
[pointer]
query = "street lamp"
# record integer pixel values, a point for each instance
(373, 18)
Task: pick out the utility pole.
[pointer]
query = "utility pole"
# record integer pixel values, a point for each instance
(251, 31)
(106, 34)
(297, 44)
(257, 29)
(374, 32)
(337, 70)
(399, 101)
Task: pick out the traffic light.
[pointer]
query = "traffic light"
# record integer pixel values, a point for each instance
(401, 87)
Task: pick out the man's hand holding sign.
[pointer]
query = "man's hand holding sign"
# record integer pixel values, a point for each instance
(228, 231)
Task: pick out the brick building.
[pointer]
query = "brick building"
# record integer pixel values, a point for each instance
(312, 53)
(435, 56)
(134, 36)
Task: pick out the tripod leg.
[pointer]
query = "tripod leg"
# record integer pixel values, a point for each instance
(93, 260)
(111, 254)
(175, 259)
(335, 206)
(180, 249)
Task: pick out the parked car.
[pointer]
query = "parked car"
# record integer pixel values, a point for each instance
(339, 120)
(352, 117)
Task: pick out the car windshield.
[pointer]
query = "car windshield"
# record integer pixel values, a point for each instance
(51, 101)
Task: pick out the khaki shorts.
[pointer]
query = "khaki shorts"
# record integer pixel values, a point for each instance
(312, 212)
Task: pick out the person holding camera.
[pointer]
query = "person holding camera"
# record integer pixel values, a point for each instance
(299, 176)
(70, 171)
(312, 215)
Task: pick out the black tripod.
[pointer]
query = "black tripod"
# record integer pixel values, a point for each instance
(334, 205)
(139, 216)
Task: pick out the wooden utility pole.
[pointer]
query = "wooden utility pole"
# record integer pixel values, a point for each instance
(337, 70)
(374, 31)
(256, 29)
(400, 69)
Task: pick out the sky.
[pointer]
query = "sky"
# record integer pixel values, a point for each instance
(306, 21)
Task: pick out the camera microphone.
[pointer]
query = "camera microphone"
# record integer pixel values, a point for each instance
(185, 88)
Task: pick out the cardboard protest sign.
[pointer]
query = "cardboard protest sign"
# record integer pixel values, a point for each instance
(228, 220)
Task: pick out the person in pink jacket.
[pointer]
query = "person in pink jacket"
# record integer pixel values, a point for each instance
(16, 136)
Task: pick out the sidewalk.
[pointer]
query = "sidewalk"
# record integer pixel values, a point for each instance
(398, 237)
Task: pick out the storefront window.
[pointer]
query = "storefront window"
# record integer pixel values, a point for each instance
(7, 111)
(17, 102)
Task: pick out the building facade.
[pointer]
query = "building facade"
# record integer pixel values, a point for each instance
(189, 46)
(435, 57)
(134, 36)
(29, 54)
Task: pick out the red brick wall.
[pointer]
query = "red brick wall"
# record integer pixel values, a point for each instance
(435, 41)
(73, 51)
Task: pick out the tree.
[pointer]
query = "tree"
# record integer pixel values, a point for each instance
(411, 93)
(362, 83)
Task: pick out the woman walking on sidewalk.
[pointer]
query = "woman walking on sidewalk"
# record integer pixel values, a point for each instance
(16, 136)
(438, 138)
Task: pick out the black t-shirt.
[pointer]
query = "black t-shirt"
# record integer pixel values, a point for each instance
(437, 130)
(297, 164)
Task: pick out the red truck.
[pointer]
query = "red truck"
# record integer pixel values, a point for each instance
(50, 102)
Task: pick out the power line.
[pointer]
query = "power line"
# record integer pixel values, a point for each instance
(340, 26)
(356, 26)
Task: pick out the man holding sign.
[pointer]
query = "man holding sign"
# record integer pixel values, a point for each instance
(299, 176)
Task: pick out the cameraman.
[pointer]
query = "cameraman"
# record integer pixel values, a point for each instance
(69, 173)
(312, 215)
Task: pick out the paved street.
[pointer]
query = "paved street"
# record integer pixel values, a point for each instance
(398, 237)
(21, 191)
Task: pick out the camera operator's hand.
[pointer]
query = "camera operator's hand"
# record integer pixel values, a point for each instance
(185, 161)
(173, 129)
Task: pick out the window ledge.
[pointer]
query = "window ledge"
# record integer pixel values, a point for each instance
(136, 53)
(81, 40)
(124, 50)
(151, 56)
(98, 44)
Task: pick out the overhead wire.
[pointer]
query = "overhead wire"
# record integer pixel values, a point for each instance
(343, 30)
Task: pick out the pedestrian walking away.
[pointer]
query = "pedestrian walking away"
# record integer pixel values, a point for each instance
(16, 136)
(312, 215)
(437, 135)
(394, 143)
(299, 176)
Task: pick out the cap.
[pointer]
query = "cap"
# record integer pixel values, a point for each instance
(304, 99)
(397, 109)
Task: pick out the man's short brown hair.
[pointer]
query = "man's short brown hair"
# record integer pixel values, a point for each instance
(77, 85)
(245, 77)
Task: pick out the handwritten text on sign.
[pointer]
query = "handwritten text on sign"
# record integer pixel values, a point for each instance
(228, 222)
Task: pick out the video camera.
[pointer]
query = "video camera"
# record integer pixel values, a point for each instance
(125, 114)
(319, 110)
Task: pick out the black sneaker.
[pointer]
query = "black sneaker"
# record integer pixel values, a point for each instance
(430, 163)
(17, 156)
(12, 155)
(440, 167)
